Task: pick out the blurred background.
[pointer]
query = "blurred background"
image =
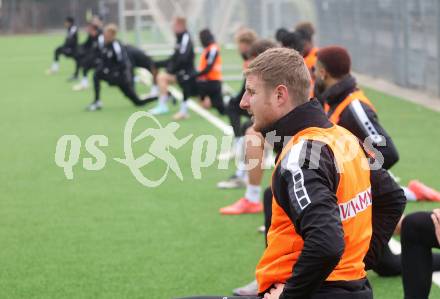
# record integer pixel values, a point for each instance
(397, 40)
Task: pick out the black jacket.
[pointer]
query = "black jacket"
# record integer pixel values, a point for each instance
(71, 40)
(360, 120)
(182, 60)
(319, 223)
(114, 59)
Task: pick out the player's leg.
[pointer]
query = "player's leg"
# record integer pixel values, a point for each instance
(163, 81)
(418, 238)
(86, 64)
(145, 61)
(189, 89)
(251, 202)
(97, 104)
(239, 178)
(55, 67)
(127, 89)
(215, 94)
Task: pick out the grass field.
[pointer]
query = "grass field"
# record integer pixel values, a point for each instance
(102, 234)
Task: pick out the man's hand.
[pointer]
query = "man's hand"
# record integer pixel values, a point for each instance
(436, 219)
(275, 292)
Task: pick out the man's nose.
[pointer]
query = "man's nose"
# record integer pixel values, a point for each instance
(244, 103)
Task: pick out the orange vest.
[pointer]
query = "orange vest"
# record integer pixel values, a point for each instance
(356, 95)
(310, 61)
(311, 58)
(215, 74)
(354, 200)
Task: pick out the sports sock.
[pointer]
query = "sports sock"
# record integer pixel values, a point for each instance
(253, 193)
(154, 89)
(184, 107)
(163, 99)
(410, 196)
(55, 66)
(240, 157)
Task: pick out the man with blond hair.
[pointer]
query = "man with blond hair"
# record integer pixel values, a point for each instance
(327, 229)
(115, 69)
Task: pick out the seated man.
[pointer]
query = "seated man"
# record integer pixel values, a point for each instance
(254, 147)
(326, 231)
(209, 75)
(244, 38)
(115, 69)
(347, 106)
(179, 67)
(69, 48)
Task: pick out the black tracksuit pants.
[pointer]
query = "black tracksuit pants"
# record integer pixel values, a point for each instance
(212, 89)
(418, 238)
(123, 81)
(63, 50)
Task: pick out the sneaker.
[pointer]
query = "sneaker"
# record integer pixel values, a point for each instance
(94, 106)
(159, 109)
(234, 182)
(81, 86)
(423, 192)
(180, 116)
(53, 69)
(242, 206)
(251, 289)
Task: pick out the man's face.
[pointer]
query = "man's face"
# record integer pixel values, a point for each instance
(91, 30)
(66, 24)
(243, 48)
(258, 101)
(320, 75)
(178, 27)
(108, 36)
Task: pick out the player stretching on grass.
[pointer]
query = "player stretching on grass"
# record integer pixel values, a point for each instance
(69, 48)
(115, 70)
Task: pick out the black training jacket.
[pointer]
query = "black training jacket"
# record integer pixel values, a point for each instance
(321, 218)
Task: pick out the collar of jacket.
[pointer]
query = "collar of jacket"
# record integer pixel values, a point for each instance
(338, 92)
(180, 35)
(307, 115)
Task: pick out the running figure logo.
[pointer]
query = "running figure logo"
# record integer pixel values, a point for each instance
(163, 139)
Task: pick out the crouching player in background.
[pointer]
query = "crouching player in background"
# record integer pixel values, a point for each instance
(89, 54)
(331, 216)
(68, 49)
(115, 69)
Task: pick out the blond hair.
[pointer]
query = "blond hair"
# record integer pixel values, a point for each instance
(246, 36)
(283, 66)
(180, 20)
(112, 28)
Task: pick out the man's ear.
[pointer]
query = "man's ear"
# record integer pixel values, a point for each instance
(282, 94)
